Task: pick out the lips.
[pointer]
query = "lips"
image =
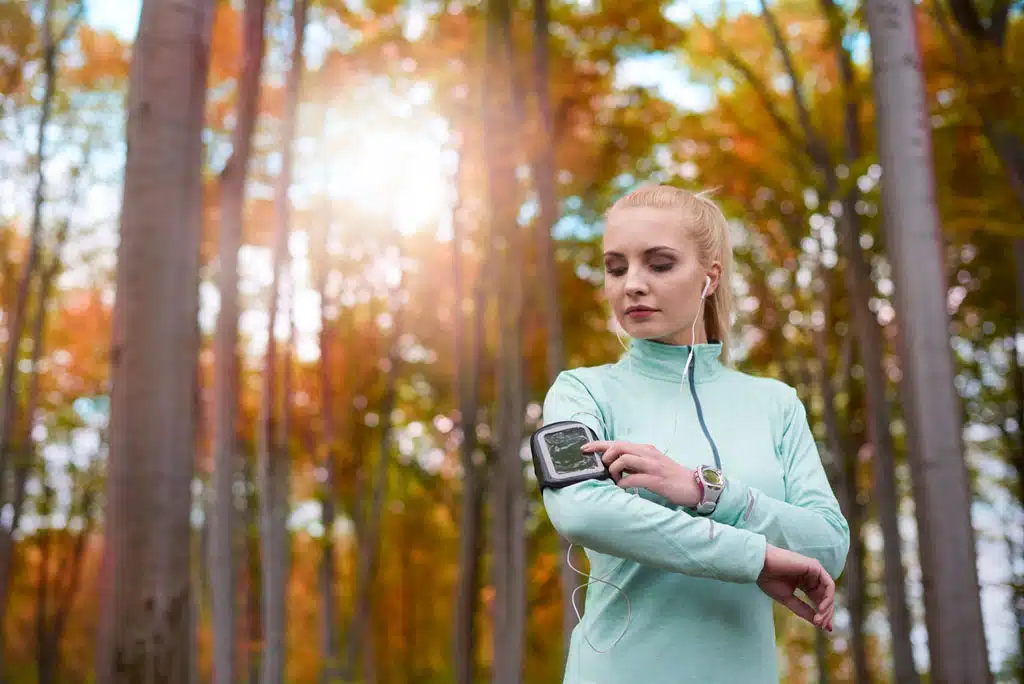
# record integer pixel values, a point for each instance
(640, 311)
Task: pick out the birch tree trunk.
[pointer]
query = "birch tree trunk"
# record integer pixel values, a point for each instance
(956, 637)
(145, 627)
(223, 544)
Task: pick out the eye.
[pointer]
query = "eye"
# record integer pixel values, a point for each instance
(616, 271)
(662, 268)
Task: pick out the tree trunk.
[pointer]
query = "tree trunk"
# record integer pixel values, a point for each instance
(1016, 446)
(47, 637)
(226, 458)
(273, 445)
(853, 511)
(360, 629)
(1018, 371)
(406, 550)
(61, 589)
(26, 445)
(821, 656)
(843, 473)
(145, 631)
(15, 494)
(274, 480)
(868, 331)
(854, 580)
(956, 637)
(509, 505)
(886, 493)
(252, 620)
(16, 326)
(468, 390)
(330, 670)
(47, 662)
(44, 661)
(544, 173)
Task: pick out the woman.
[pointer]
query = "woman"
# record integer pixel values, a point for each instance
(730, 506)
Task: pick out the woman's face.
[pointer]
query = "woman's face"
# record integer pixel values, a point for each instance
(653, 277)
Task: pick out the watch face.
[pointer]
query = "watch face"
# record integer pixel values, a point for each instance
(711, 477)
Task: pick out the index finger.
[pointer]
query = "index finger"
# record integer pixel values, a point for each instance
(606, 444)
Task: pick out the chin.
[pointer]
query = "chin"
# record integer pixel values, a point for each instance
(645, 331)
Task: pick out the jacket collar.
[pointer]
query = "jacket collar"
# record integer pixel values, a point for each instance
(666, 361)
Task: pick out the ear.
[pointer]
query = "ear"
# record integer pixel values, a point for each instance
(714, 273)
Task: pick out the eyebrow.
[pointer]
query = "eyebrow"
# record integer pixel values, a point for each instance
(648, 251)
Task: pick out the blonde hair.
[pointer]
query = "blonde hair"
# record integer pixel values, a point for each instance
(708, 227)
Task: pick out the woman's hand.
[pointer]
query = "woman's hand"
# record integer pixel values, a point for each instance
(643, 466)
(785, 571)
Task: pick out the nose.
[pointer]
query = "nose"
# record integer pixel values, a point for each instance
(636, 285)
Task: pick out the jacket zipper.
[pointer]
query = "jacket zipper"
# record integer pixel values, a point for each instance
(700, 417)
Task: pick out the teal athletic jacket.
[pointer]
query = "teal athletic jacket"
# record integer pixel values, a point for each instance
(697, 613)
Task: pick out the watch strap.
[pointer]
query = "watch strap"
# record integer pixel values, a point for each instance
(709, 496)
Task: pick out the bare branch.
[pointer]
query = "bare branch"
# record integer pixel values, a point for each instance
(69, 28)
(966, 15)
(760, 89)
(1007, 147)
(815, 147)
(794, 153)
(847, 77)
(1000, 19)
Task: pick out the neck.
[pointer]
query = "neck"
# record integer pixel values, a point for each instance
(695, 334)
(683, 339)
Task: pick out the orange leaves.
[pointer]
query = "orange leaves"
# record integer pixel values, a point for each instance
(105, 60)
(17, 34)
(77, 347)
(226, 46)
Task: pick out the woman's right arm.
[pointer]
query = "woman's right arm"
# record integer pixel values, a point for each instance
(600, 516)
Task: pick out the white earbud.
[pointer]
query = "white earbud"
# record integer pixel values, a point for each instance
(693, 335)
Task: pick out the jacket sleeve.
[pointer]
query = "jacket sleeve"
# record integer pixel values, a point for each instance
(809, 521)
(600, 516)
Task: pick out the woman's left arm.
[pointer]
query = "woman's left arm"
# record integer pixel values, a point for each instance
(809, 521)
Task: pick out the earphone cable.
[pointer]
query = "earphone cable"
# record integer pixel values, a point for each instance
(602, 580)
(675, 424)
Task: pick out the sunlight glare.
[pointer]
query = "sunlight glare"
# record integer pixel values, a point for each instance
(396, 173)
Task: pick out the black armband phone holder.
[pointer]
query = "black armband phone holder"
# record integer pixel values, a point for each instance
(558, 458)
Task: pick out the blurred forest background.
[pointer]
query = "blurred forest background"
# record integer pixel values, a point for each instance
(409, 196)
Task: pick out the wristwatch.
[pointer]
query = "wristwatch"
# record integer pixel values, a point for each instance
(711, 483)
